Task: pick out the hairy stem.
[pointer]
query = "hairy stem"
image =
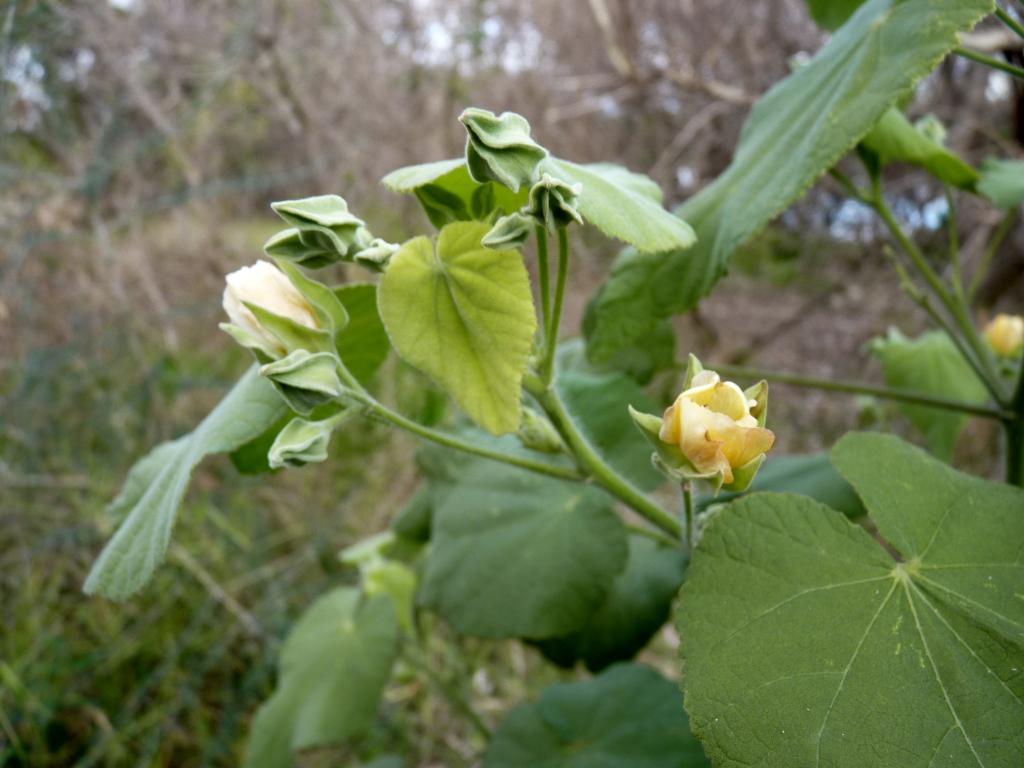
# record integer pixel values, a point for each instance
(972, 348)
(380, 411)
(1009, 21)
(687, 489)
(547, 366)
(592, 463)
(862, 388)
(989, 61)
(545, 279)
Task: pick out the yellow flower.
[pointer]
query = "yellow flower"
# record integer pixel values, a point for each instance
(265, 286)
(1005, 334)
(712, 425)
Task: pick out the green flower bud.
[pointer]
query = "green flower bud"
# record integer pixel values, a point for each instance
(537, 434)
(508, 232)
(499, 148)
(303, 442)
(376, 254)
(324, 232)
(305, 381)
(552, 203)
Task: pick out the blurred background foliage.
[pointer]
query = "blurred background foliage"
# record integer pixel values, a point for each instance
(140, 144)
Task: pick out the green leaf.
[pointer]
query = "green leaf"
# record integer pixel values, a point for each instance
(330, 211)
(832, 14)
(334, 665)
(895, 140)
(626, 717)
(637, 606)
(156, 486)
(931, 364)
(411, 177)
(804, 642)
(463, 314)
(624, 178)
(517, 555)
(1002, 182)
(448, 193)
(619, 209)
(363, 346)
(808, 475)
(795, 133)
(251, 457)
(597, 403)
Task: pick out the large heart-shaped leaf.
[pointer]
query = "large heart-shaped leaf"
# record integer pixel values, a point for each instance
(363, 346)
(334, 665)
(930, 364)
(627, 717)
(463, 314)
(614, 201)
(156, 486)
(517, 555)
(795, 133)
(810, 474)
(805, 642)
(637, 606)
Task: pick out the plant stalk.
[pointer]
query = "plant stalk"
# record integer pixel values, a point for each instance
(861, 388)
(1009, 21)
(592, 463)
(547, 366)
(687, 489)
(990, 61)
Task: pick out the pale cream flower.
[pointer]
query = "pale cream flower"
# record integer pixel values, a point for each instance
(265, 286)
(713, 427)
(1005, 334)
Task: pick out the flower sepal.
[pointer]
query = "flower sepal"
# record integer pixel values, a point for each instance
(552, 203)
(305, 380)
(508, 233)
(303, 442)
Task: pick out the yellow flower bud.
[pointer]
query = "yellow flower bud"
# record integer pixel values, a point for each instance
(712, 425)
(267, 287)
(1005, 334)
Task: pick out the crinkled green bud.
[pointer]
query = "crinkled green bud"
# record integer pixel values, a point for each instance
(303, 442)
(329, 211)
(324, 232)
(537, 434)
(376, 254)
(499, 148)
(552, 203)
(509, 232)
(305, 380)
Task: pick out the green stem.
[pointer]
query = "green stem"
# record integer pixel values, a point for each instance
(687, 488)
(545, 278)
(859, 388)
(954, 247)
(451, 694)
(971, 346)
(590, 461)
(658, 536)
(989, 61)
(547, 366)
(1002, 230)
(1009, 21)
(448, 440)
